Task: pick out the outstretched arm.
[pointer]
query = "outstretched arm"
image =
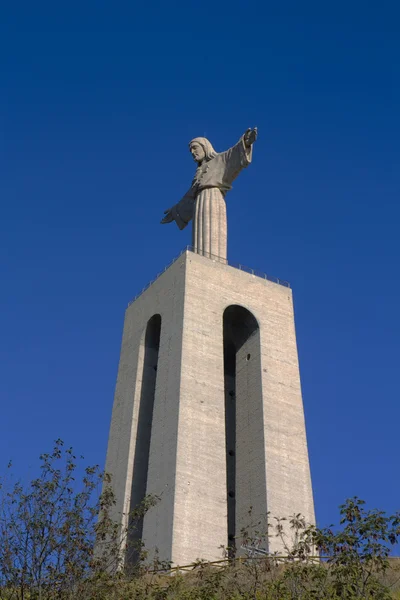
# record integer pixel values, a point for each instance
(182, 212)
(239, 157)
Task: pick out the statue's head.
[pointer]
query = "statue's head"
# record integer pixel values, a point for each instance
(201, 149)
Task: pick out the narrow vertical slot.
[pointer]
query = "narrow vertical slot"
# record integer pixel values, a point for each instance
(245, 457)
(151, 342)
(230, 429)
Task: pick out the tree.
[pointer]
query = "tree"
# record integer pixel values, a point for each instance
(48, 531)
(353, 558)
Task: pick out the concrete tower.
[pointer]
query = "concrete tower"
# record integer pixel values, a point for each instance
(208, 410)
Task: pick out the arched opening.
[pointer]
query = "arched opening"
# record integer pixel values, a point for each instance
(149, 359)
(243, 416)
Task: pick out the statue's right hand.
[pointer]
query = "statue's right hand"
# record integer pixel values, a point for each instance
(250, 136)
(168, 216)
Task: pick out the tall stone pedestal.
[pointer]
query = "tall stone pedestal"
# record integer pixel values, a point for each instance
(208, 411)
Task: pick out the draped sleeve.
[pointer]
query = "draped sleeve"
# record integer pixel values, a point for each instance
(182, 212)
(235, 159)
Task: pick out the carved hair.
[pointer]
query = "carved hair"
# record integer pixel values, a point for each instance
(206, 145)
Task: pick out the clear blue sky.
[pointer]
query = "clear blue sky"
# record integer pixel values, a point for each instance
(98, 101)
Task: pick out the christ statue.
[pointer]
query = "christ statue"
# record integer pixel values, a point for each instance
(205, 201)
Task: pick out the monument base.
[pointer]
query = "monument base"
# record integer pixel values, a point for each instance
(208, 410)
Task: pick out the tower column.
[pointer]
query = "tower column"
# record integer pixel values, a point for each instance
(188, 460)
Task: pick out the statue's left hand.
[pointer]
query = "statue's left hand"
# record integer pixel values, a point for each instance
(168, 216)
(250, 137)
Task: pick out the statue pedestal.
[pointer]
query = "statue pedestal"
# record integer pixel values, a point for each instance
(208, 410)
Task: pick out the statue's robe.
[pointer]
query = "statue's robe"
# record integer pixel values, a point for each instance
(205, 201)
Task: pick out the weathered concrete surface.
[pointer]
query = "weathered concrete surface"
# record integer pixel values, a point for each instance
(187, 463)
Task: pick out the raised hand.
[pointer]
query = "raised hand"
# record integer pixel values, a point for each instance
(168, 217)
(250, 137)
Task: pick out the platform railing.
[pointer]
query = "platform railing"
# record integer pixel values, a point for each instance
(219, 259)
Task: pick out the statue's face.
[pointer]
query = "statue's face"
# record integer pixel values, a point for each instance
(197, 152)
